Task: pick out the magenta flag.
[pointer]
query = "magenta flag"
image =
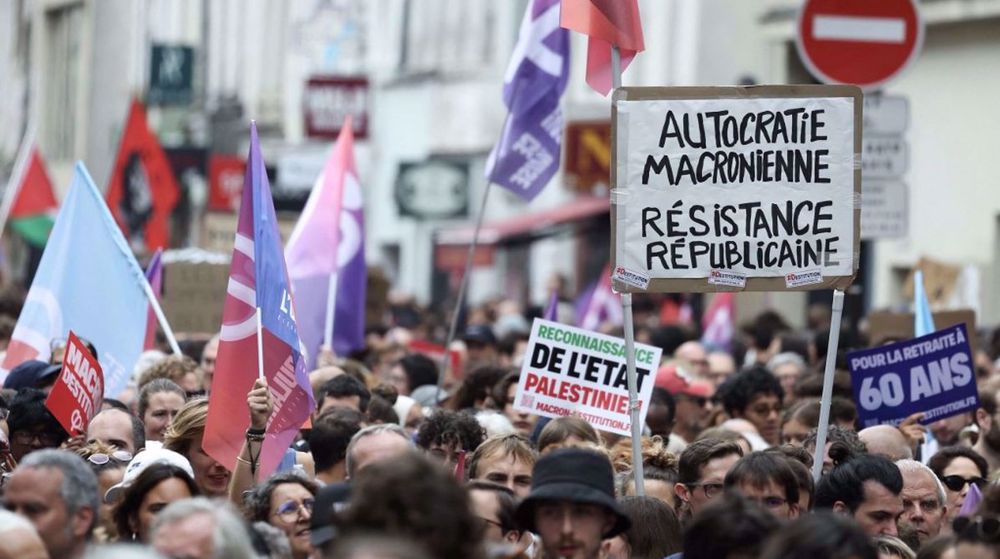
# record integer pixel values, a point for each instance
(154, 274)
(258, 279)
(328, 244)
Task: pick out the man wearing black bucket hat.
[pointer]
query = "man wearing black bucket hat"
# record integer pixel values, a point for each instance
(572, 504)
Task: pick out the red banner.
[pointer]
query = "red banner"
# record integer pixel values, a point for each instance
(225, 180)
(78, 393)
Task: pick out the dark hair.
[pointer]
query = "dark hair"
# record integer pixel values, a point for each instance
(113, 403)
(330, 435)
(447, 427)
(477, 386)
(342, 386)
(943, 458)
(662, 396)
(420, 370)
(412, 497)
(759, 469)
(726, 526)
(655, 532)
(810, 385)
(127, 508)
(800, 461)
(28, 413)
(764, 327)
(501, 388)
(506, 502)
(380, 411)
(668, 338)
(845, 483)
(156, 386)
(821, 535)
(257, 502)
(739, 389)
(842, 410)
(562, 428)
(845, 444)
(699, 453)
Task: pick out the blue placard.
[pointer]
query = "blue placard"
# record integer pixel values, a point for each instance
(933, 374)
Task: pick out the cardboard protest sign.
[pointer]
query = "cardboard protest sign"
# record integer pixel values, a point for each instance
(78, 393)
(569, 370)
(933, 374)
(757, 185)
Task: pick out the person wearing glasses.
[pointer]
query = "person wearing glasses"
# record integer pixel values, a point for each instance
(108, 464)
(958, 468)
(924, 504)
(701, 473)
(767, 479)
(32, 426)
(285, 500)
(154, 479)
(755, 395)
(495, 505)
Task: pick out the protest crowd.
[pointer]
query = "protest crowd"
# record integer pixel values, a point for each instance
(388, 465)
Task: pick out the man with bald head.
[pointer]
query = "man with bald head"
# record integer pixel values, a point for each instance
(18, 538)
(887, 441)
(695, 355)
(319, 377)
(721, 366)
(119, 429)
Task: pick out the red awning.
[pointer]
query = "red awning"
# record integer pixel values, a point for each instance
(527, 224)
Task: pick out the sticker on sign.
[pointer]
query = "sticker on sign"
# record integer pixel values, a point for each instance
(635, 279)
(804, 277)
(727, 278)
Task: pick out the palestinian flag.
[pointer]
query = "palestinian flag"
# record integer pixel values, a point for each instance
(33, 210)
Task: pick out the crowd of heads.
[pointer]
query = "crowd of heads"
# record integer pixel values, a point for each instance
(400, 458)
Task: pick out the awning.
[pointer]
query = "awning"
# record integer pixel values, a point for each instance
(527, 225)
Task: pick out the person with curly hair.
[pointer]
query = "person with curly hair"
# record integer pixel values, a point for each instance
(285, 500)
(446, 435)
(841, 445)
(755, 395)
(414, 498)
(179, 368)
(659, 470)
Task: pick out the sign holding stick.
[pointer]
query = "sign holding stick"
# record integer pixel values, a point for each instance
(758, 184)
(933, 374)
(78, 393)
(569, 370)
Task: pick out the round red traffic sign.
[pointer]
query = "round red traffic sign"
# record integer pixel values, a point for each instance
(858, 42)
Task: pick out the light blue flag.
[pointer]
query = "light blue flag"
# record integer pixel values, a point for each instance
(88, 281)
(923, 321)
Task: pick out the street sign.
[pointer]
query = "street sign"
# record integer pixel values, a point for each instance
(884, 209)
(884, 157)
(859, 42)
(171, 75)
(886, 114)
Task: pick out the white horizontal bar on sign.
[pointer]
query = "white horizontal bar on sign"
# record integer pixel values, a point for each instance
(859, 28)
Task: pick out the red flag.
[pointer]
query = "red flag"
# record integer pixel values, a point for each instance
(607, 23)
(34, 206)
(143, 190)
(717, 322)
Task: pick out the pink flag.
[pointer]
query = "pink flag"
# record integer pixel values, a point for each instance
(717, 322)
(599, 305)
(154, 273)
(257, 280)
(971, 502)
(327, 250)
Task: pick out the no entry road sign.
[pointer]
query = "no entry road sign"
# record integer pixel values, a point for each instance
(859, 42)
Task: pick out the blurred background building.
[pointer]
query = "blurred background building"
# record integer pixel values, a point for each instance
(422, 80)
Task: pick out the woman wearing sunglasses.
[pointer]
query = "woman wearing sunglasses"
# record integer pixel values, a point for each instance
(958, 468)
(285, 500)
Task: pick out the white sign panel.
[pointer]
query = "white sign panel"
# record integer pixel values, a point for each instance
(884, 157)
(760, 186)
(574, 371)
(886, 114)
(884, 209)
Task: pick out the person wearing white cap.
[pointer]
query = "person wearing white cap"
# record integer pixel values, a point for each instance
(153, 479)
(410, 413)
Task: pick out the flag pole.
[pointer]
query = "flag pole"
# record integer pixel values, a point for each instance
(635, 406)
(446, 368)
(160, 317)
(831, 361)
(260, 347)
(17, 172)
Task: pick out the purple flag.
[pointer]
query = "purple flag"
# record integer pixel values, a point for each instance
(154, 274)
(971, 502)
(599, 304)
(328, 244)
(552, 311)
(527, 154)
